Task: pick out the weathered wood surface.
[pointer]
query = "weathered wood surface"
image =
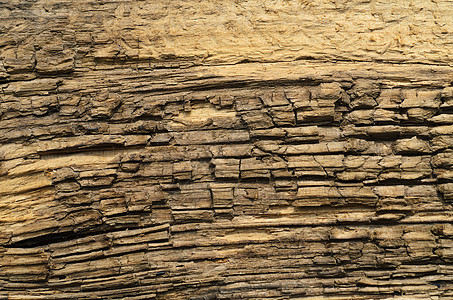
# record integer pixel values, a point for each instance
(226, 149)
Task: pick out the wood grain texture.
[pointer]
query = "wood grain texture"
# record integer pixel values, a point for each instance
(226, 149)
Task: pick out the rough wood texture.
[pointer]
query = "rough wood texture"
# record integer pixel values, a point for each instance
(226, 149)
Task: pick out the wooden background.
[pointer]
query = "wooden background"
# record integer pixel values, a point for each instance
(226, 149)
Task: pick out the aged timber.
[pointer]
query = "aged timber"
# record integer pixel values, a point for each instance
(226, 149)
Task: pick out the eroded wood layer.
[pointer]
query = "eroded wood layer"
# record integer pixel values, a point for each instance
(250, 186)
